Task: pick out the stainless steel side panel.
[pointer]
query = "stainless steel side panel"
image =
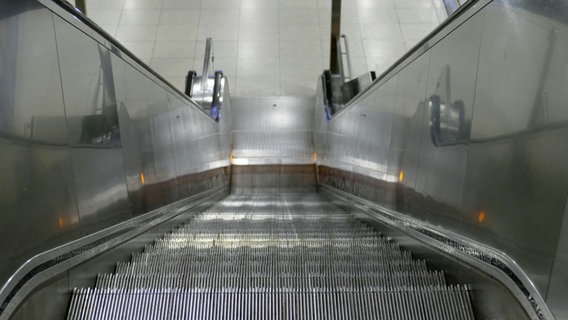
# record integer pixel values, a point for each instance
(37, 192)
(503, 180)
(275, 130)
(558, 289)
(517, 173)
(93, 128)
(89, 138)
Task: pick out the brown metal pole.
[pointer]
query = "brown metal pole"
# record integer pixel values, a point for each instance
(335, 33)
(80, 4)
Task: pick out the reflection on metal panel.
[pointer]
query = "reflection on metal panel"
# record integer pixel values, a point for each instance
(89, 139)
(558, 290)
(92, 120)
(37, 194)
(273, 130)
(489, 162)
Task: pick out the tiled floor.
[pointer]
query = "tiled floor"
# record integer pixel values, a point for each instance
(265, 47)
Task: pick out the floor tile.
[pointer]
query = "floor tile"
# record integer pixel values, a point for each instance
(376, 3)
(254, 67)
(298, 4)
(221, 48)
(174, 49)
(140, 17)
(181, 4)
(417, 15)
(221, 4)
(258, 32)
(218, 31)
(264, 16)
(142, 49)
(105, 17)
(378, 15)
(298, 86)
(259, 4)
(413, 3)
(296, 49)
(179, 17)
(348, 15)
(382, 31)
(136, 33)
(258, 49)
(214, 16)
(300, 31)
(265, 47)
(104, 5)
(258, 86)
(143, 4)
(293, 16)
(352, 31)
(359, 67)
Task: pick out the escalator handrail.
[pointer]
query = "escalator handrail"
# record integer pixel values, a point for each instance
(468, 8)
(67, 7)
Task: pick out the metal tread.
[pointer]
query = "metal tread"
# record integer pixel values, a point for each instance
(272, 256)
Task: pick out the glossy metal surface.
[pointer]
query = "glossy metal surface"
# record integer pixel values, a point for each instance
(495, 295)
(558, 289)
(495, 170)
(47, 294)
(88, 137)
(37, 194)
(272, 255)
(273, 130)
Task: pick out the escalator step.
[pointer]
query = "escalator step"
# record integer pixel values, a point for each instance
(265, 257)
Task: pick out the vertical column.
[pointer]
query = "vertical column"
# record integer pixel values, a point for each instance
(335, 33)
(80, 4)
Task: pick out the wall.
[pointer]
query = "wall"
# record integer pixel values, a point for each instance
(491, 165)
(89, 138)
(273, 146)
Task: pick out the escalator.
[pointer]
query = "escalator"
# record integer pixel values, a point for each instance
(391, 197)
(272, 256)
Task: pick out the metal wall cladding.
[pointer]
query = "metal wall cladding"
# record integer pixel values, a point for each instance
(271, 130)
(471, 136)
(87, 139)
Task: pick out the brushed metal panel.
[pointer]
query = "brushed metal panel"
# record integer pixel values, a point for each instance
(512, 60)
(514, 198)
(37, 196)
(502, 180)
(558, 284)
(442, 165)
(516, 169)
(273, 130)
(37, 201)
(134, 131)
(92, 121)
(87, 137)
(32, 104)
(407, 138)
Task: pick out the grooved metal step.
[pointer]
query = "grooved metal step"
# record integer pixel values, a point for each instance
(286, 256)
